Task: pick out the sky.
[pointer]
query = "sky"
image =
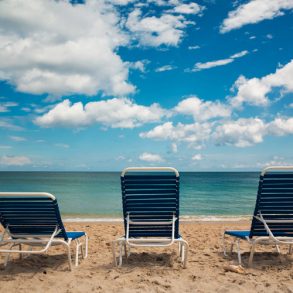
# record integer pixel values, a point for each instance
(101, 85)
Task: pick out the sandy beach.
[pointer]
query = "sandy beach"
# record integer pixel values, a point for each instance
(151, 270)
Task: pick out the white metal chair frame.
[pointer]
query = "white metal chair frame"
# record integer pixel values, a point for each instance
(149, 242)
(45, 241)
(266, 240)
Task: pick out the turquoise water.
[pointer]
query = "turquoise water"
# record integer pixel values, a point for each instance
(98, 193)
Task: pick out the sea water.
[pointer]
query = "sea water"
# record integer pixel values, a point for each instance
(98, 194)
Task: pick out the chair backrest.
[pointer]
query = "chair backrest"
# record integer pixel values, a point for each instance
(30, 213)
(274, 201)
(150, 195)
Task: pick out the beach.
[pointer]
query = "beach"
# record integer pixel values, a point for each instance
(151, 270)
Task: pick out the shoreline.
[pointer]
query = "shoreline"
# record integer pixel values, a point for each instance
(183, 219)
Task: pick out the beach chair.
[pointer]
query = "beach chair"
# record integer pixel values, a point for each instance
(32, 219)
(150, 199)
(272, 221)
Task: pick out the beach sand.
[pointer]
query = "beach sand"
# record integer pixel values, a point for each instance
(151, 270)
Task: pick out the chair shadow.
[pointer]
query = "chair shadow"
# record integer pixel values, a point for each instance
(262, 260)
(148, 259)
(33, 264)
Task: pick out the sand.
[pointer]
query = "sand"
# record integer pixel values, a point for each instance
(151, 270)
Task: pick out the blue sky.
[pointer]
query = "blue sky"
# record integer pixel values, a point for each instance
(102, 85)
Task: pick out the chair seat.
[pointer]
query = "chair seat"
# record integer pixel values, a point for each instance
(238, 234)
(75, 234)
(245, 233)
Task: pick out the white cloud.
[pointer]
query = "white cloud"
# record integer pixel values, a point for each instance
(138, 65)
(149, 157)
(15, 160)
(190, 8)
(115, 113)
(6, 124)
(197, 157)
(62, 145)
(5, 106)
(58, 48)
(210, 64)
(155, 31)
(165, 68)
(249, 131)
(17, 138)
(275, 161)
(240, 133)
(202, 110)
(174, 148)
(254, 91)
(280, 126)
(193, 47)
(121, 2)
(243, 132)
(253, 12)
(5, 147)
(194, 134)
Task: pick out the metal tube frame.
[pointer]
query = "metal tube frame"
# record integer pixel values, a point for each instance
(40, 240)
(149, 242)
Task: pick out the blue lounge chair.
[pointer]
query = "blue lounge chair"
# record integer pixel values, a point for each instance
(33, 219)
(272, 221)
(150, 198)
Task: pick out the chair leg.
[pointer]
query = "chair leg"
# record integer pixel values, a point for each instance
(7, 256)
(278, 249)
(120, 253)
(184, 252)
(290, 249)
(252, 250)
(239, 252)
(20, 254)
(86, 245)
(224, 244)
(186, 255)
(180, 249)
(78, 246)
(232, 245)
(114, 252)
(125, 250)
(68, 255)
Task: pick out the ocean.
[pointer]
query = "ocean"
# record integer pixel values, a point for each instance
(98, 195)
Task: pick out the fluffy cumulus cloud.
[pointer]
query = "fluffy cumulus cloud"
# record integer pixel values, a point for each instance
(15, 160)
(202, 110)
(255, 11)
(243, 132)
(210, 64)
(155, 31)
(255, 91)
(59, 48)
(149, 157)
(280, 126)
(115, 113)
(194, 134)
(190, 8)
(249, 131)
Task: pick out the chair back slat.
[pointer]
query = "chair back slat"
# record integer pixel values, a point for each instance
(150, 195)
(274, 201)
(30, 213)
